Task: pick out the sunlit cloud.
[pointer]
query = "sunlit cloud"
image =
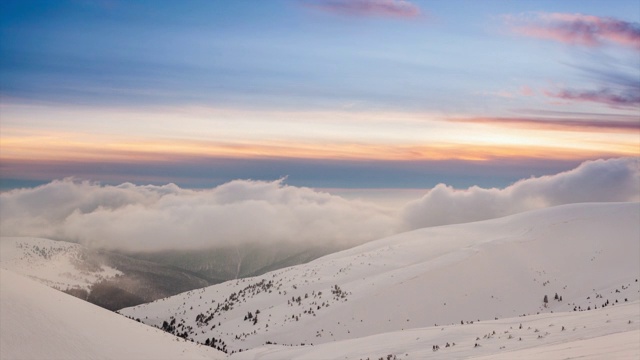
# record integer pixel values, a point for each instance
(575, 124)
(200, 146)
(47, 133)
(473, 148)
(367, 8)
(577, 29)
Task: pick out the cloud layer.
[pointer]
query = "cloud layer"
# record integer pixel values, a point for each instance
(592, 181)
(143, 218)
(149, 218)
(579, 29)
(366, 8)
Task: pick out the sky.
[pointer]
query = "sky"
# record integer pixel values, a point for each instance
(328, 94)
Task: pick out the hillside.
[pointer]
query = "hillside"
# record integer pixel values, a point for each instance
(107, 279)
(433, 277)
(41, 323)
(61, 265)
(608, 333)
(237, 261)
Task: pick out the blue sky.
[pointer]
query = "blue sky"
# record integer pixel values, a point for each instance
(326, 82)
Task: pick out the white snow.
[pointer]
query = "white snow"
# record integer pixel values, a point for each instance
(37, 322)
(396, 298)
(598, 334)
(421, 282)
(58, 264)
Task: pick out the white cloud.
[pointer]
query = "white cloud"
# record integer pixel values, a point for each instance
(139, 218)
(592, 181)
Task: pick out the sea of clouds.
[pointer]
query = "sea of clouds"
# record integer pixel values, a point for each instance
(149, 218)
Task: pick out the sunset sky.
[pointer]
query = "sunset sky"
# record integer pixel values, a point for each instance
(328, 93)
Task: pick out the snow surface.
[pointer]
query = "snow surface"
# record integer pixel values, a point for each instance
(598, 334)
(38, 322)
(432, 284)
(58, 264)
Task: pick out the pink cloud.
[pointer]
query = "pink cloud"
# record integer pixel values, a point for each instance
(380, 8)
(526, 91)
(628, 98)
(579, 29)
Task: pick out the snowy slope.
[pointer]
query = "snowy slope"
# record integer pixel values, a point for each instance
(38, 322)
(502, 268)
(107, 279)
(607, 333)
(61, 265)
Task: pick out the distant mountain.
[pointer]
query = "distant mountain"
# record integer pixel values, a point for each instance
(427, 282)
(107, 279)
(228, 263)
(41, 323)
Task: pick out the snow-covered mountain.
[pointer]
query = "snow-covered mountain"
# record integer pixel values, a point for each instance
(107, 279)
(61, 265)
(425, 283)
(38, 322)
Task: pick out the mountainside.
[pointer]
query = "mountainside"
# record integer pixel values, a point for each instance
(606, 333)
(41, 323)
(61, 265)
(230, 263)
(110, 280)
(587, 254)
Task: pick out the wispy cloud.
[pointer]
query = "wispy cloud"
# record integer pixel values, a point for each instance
(628, 97)
(574, 124)
(379, 8)
(577, 29)
(526, 91)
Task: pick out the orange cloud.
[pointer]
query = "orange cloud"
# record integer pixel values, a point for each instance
(102, 150)
(578, 125)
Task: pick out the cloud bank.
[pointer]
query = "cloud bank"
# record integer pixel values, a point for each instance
(579, 29)
(367, 8)
(592, 181)
(149, 218)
